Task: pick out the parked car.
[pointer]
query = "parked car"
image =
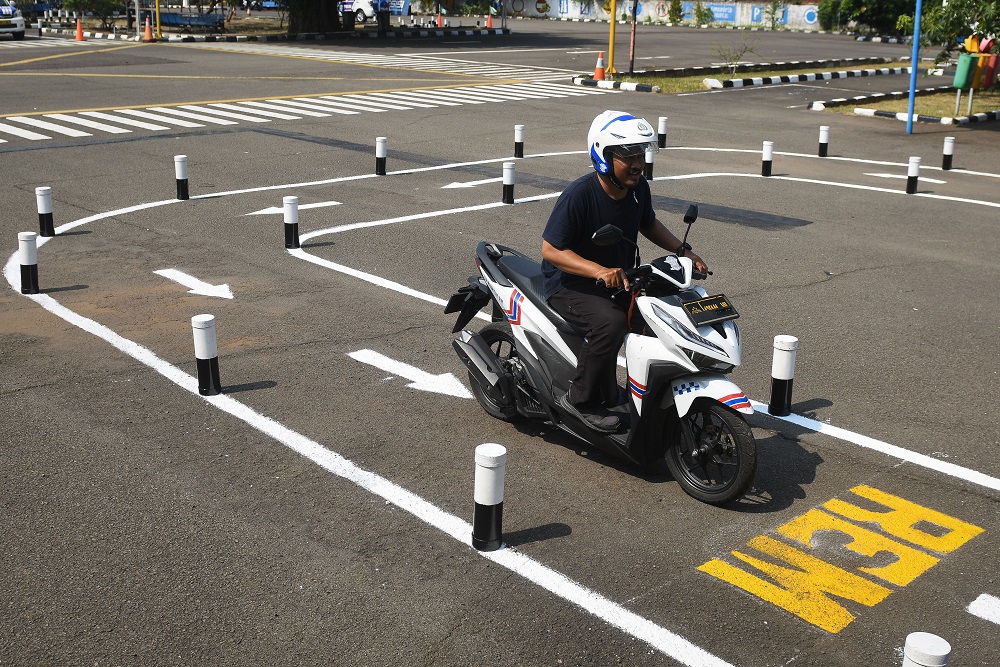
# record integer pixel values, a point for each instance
(11, 21)
(362, 9)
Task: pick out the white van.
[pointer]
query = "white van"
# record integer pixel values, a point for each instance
(362, 9)
(11, 21)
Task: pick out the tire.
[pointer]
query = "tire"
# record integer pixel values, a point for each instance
(501, 341)
(18, 35)
(359, 16)
(713, 456)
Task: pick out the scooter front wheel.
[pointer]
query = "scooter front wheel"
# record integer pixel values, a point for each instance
(713, 455)
(502, 343)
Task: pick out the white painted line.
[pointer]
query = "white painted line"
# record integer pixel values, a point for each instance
(170, 111)
(445, 383)
(66, 118)
(52, 127)
(124, 121)
(986, 607)
(21, 132)
(470, 184)
(612, 613)
(318, 106)
(302, 207)
(923, 179)
(194, 285)
(916, 458)
(159, 117)
(279, 108)
(256, 112)
(221, 112)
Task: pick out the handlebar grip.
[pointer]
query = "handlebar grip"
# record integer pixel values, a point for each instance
(601, 283)
(698, 275)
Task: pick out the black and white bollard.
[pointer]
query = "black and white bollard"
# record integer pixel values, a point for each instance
(782, 375)
(912, 175)
(767, 158)
(648, 172)
(949, 152)
(291, 210)
(43, 197)
(487, 518)
(661, 132)
(206, 353)
(508, 182)
(27, 250)
(181, 174)
(922, 649)
(519, 141)
(380, 154)
(824, 140)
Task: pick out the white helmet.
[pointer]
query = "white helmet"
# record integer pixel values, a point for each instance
(617, 128)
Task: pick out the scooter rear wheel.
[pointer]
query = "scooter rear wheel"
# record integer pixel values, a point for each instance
(713, 456)
(501, 341)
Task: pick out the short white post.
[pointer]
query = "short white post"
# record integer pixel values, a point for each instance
(661, 132)
(923, 649)
(824, 140)
(508, 182)
(181, 174)
(767, 158)
(206, 353)
(487, 518)
(912, 175)
(380, 155)
(291, 212)
(519, 141)
(949, 152)
(43, 198)
(648, 172)
(27, 251)
(782, 375)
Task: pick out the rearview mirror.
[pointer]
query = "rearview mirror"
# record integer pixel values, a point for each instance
(692, 214)
(607, 235)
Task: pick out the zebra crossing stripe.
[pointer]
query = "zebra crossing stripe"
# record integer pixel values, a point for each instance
(124, 121)
(393, 97)
(24, 134)
(427, 97)
(224, 114)
(103, 127)
(368, 100)
(278, 107)
(333, 101)
(316, 107)
(159, 117)
(193, 116)
(256, 112)
(52, 127)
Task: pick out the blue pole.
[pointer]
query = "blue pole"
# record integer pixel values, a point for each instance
(914, 60)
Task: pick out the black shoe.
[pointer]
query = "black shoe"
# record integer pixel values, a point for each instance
(597, 419)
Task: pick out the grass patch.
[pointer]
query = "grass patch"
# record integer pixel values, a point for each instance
(941, 105)
(689, 84)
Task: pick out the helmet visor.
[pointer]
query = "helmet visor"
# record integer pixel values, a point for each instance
(633, 150)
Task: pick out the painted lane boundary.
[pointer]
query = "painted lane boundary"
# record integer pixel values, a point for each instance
(613, 85)
(396, 33)
(555, 582)
(795, 78)
(903, 116)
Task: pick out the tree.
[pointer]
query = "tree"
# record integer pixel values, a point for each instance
(879, 16)
(773, 11)
(733, 54)
(676, 12)
(313, 16)
(102, 9)
(949, 24)
(703, 14)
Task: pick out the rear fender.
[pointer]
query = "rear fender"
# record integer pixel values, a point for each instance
(719, 388)
(467, 301)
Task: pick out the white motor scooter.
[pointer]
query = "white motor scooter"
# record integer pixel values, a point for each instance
(680, 406)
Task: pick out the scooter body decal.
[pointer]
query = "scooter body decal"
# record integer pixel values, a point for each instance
(513, 310)
(686, 388)
(736, 401)
(637, 390)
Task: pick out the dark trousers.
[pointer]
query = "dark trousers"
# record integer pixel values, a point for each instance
(606, 323)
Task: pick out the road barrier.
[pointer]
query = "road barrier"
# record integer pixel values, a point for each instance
(661, 132)
(206, 353)
(290, 207)
(487, 517)
(380, 155)
(43, 197)
(767, 158)
(824, 140)
(519, 141)
(923, 649)
(782, 375)
(648, 172)
(27, 248)
(912, 175)
(508, 182)
(949, 152)
(181, 174)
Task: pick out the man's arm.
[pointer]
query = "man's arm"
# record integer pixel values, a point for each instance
(663, 237)
(570, 262)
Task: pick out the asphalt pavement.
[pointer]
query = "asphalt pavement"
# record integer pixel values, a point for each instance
(317, 511)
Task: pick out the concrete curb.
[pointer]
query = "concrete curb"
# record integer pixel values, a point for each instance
(758, 67)
(958, 120)
(405, 33)
(621, 85)
(794, 78)
(874, 97)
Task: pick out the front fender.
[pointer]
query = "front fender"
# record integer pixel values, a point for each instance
(716, 387)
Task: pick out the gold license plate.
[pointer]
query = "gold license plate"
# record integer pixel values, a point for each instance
(710, 310)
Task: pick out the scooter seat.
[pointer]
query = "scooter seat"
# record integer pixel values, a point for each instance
(527, 275)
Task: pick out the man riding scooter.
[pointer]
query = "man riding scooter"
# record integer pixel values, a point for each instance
(581, 276)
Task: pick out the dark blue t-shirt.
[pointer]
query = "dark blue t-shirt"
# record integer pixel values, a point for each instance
(582, 209)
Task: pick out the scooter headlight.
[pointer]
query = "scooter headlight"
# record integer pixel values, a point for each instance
(686, 333)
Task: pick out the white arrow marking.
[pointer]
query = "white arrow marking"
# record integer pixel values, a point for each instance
(280, 209)
(922, 178)
(196, 286)
(446, 383)
(471, 184)
(986, 607)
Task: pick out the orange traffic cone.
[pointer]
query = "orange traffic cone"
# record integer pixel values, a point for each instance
(79, 32)
(599, 70)
(439, 20)
(489, 20)
(148, 37)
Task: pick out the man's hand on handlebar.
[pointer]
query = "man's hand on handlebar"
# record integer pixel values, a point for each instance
(699, 265)
(612, 279)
